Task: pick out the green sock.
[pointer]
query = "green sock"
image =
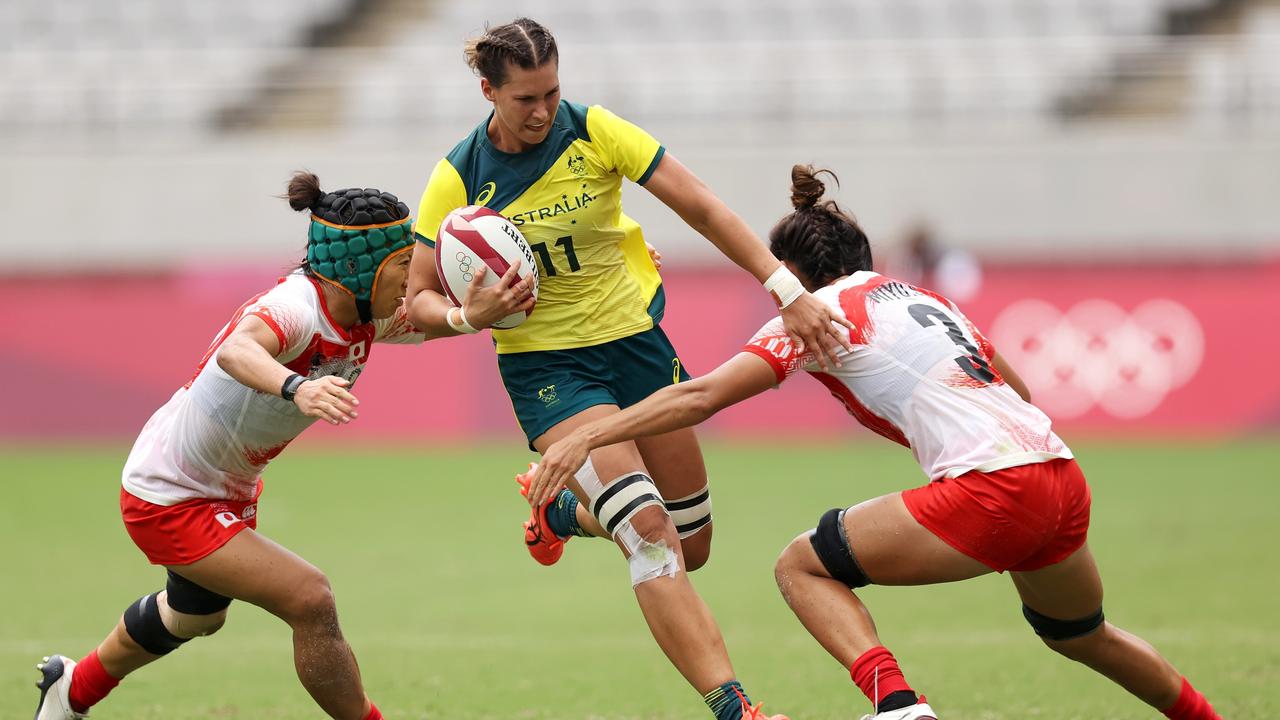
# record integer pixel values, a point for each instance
(562, 516)
(727, 700)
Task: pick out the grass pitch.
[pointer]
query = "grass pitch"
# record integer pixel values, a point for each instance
(451, 620)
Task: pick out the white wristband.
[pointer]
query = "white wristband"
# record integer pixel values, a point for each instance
(462, 325)
(784, 286)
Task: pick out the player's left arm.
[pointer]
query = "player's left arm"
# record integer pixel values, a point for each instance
(811, 322)
(248, 356)
(676, 406)
(679, 189)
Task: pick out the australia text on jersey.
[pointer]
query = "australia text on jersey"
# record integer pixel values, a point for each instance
(567, 205)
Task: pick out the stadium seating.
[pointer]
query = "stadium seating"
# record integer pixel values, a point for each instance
(1239, 82)
(139, 64)
(136, 65)
(847, 60)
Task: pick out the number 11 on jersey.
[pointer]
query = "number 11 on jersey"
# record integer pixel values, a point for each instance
(549, 267)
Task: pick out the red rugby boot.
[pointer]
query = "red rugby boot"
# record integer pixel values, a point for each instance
(545, 546)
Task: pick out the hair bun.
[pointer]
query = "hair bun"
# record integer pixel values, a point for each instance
(806, 188)
(304, 191)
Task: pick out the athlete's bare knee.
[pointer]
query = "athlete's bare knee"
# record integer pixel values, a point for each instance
(311, 603)
(795, 560)
(786, 563)
(654, 526)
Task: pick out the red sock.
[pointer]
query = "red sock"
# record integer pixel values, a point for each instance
(877, 674)
(1191, 705)
(89, 683)
(373, 712)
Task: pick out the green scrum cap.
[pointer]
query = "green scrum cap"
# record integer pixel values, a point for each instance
(354, 232)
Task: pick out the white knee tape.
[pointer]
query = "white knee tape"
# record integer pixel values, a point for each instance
(648, 561)
(622, 498)
(691, 513)
(589, 480)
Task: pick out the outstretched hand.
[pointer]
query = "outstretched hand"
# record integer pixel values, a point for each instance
(327, 398)
(559, 463)
(815, 327)
(484, 306)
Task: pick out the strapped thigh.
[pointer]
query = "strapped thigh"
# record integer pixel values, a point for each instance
(691, 513)
(622, 498)
(189, 598)
(1053, 629)
(832, 546)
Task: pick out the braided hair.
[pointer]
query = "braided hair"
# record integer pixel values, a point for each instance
(523, 42)
(819, 238)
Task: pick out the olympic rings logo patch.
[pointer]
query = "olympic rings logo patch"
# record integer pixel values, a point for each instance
(1098, 355)
(464, 265)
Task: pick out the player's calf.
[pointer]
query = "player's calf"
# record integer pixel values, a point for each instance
(809, 573)
(152, 627)
(1126, 659)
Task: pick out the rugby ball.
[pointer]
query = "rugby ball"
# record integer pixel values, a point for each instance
(473, 237)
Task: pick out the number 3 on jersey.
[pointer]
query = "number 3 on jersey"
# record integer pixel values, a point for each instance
(544, 255)
(974, 365)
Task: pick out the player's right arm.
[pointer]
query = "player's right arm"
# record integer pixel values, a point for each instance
(430, 310)
(248, 356)
(433, 313)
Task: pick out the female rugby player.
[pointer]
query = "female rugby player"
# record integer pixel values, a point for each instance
(288, 357)
(1005, 495)
(594, 344)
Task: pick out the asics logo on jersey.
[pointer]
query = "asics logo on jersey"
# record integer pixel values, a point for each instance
(486, 191)
(675, 371)
(1096, 354)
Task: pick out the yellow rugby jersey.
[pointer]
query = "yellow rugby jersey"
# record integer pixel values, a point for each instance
(597, 282)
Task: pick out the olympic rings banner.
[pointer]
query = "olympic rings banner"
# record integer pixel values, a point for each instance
(1125, 349)
(1120, 350)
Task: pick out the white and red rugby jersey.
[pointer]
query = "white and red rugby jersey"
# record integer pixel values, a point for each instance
(920, 374)
(214, 436)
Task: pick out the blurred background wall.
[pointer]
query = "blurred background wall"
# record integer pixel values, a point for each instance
(1096, 182)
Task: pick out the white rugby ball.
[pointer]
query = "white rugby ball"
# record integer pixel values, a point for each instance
(473, 237)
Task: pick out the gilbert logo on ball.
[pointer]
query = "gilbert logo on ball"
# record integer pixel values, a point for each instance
(473, 237)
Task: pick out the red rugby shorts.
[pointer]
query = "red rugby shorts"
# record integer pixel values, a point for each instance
(184, 533)
(1020, 518)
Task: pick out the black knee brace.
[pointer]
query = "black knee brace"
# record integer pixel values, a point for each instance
(832, 546)
(189, 598)
(142, 621)
(1051, 629)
